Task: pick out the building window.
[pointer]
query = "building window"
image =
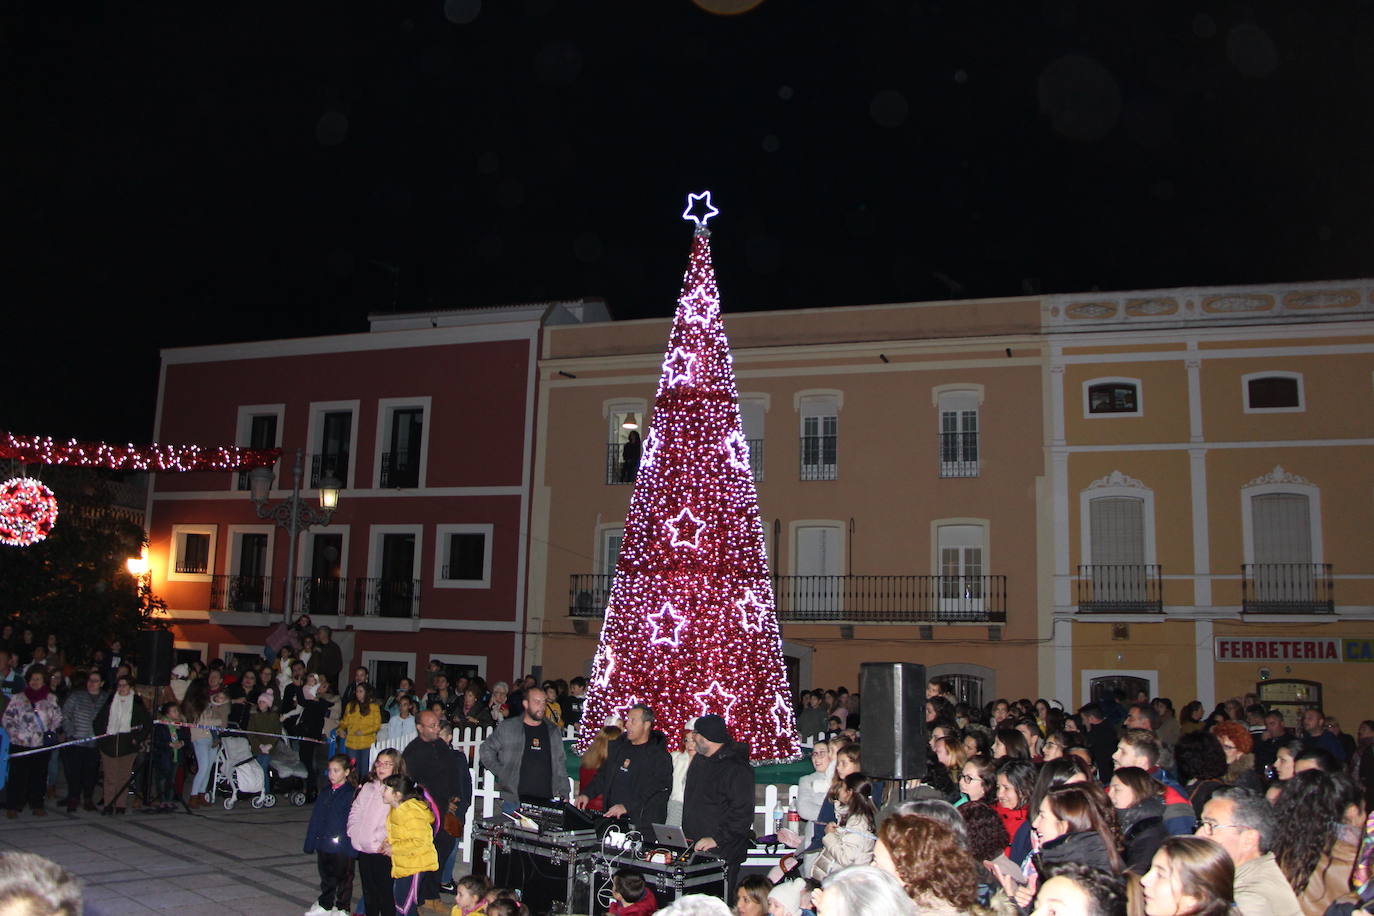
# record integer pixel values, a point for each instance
(333, 440)
(402, 443)
(259, 427)
(1273, 392)
(1112, 397)
(959, 433)
(627, 423)
(820, 423)
(962, 572)
(463, 556)
(247, 587)
(192, 554)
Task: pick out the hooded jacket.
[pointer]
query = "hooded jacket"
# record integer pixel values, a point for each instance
(1085, 847)
(328, 828)
(638, 776)
(719, 801)
(1142, 832)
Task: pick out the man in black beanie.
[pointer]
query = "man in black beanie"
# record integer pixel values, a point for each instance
(718, 803)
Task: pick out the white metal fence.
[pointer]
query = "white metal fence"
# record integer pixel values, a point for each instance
(486, 800)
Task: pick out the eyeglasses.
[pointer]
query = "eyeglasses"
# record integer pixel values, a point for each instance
(1212, 826)
(968, 778)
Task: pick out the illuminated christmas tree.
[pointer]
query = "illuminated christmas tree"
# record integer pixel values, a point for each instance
(690, 626)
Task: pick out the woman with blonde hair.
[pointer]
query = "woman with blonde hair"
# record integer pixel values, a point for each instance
(592, 760)
(949, 750)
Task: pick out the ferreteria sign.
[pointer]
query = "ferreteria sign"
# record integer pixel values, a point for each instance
(1278, 649)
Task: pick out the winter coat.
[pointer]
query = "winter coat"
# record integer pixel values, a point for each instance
(445, 773)
(367, 819)
(268, 722)
(504, 750)
(638, 776)
(1085, 847)
(1179, 817)
(361, 727)
(27, 723)
(1242, 774)
(849, 844)
(327, 659)
(79, 711)
(328, 828)
(644, 906)
(1142, 832)
(719, 800)
(124, 743)
(215, 715)
(1330, 880)
(410, 831)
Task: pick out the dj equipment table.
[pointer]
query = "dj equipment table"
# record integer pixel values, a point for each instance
(544, 866)
(703, 875)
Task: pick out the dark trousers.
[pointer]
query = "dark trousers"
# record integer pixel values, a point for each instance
(82, 765)
(336, 880)
(405, 894)
(309, 756)
(164, 779)
(430, 880)
(374, 871)
(28, 779)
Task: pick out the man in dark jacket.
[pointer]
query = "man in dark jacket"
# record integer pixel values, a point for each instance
(637, 776)
(445, 775)
(327, 659)
(718, 803)
(1101, 740)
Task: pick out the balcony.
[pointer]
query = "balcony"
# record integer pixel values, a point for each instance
(246, 594)
(818, 458)
(1111, 588)
(386, 597)
(400, 470)
(332, 464)
(320, 595)
(1287, 588)
(617, 471)
(959, 454)
(850, 599)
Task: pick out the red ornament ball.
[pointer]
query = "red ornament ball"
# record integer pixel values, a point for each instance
(28, 511)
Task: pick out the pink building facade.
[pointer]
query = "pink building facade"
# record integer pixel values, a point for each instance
(427, 422)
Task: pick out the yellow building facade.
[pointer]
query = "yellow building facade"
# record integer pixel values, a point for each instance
(1167, 490)
(1209, 455)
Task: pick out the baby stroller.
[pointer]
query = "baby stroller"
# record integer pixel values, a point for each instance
(237, 773)
(288, 773)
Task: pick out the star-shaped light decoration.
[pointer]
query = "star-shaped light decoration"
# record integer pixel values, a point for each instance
(650, 450)
(699, 308)
(737, 450)
(604, 678)
(679, 365)
(751, 611)
(623, 712)
(692, 201)
(667, 619)
(781, 710)
(686, 529)
(715, 699)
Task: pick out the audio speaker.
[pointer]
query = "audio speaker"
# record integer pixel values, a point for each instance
(155, 657)
(893, 704)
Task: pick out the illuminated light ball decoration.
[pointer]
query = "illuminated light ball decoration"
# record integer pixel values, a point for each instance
(28, 512)
(691, 626)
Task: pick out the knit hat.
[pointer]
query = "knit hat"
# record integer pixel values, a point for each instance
(713, 729)
(789, 894)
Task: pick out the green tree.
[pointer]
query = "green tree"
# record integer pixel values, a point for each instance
(75, 583)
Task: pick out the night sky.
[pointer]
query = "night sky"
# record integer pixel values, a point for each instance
(192, 173)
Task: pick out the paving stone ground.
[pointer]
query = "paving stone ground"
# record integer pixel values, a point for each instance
(244, 861)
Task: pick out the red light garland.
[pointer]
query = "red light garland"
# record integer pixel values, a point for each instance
(28, 511)
(691, 626)
(45, 450)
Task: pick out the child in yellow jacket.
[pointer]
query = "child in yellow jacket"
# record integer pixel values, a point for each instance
(362, 719)
(409, 840)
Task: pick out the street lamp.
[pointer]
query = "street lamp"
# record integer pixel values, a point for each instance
(293, 514)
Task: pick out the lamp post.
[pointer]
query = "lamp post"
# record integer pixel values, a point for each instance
(293, 515)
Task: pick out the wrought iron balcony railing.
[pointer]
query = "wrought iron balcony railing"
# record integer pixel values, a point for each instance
(1116, 588)
(400, 470)
(1287, 588)
(618, 472)
(959, 454)
(859, 599)
(818, 458)
(319, 595)
(330, 464)
(380, 597)
(248, 594)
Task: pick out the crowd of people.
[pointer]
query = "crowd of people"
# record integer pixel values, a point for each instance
(1122, 807)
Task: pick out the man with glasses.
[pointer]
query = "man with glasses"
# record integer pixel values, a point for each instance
(1243, 824)
(82, 761)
